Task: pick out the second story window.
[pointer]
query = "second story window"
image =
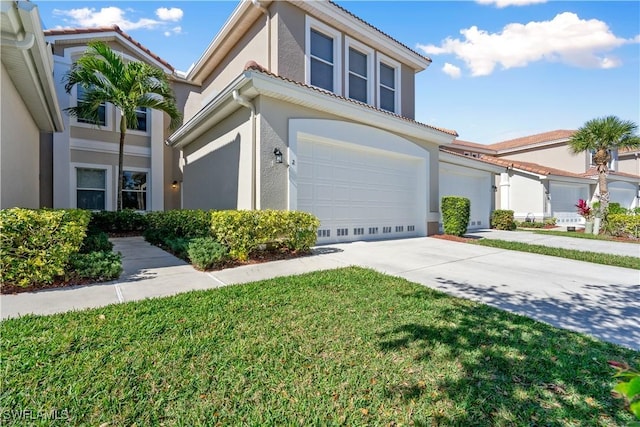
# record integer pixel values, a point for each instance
(322, 62)
(322, 52)
(141, 122)
(387, 87)
(102, 119)
(359, 69)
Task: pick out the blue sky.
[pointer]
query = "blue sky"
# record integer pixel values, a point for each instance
(501, 68)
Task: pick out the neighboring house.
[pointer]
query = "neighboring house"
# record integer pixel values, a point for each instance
(304, 106)
(29, 107)
(85, 155)
(541, 178)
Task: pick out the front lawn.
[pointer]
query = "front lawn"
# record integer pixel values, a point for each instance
(582, 235)
(341, 347)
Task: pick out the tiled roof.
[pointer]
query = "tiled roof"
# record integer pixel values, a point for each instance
(378, 30)
(465, 144)
(530, 167)
(553, 135)
(253, 66)
(108, 29)
(592, 171)
(626, 150)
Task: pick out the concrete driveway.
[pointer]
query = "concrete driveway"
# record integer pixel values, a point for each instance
(595, 299)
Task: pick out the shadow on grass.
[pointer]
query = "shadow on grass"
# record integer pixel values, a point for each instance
(523, 372)
(608, 312)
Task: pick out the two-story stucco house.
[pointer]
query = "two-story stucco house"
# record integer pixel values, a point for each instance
(29, 109)
(304, 106)
(541, 177)
(84, 157)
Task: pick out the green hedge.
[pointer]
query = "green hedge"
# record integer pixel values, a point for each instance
(36, 245)
(182, 223)
(502, 219)
(122, 222)
(245, 231)
(455, 215)
(624, 225)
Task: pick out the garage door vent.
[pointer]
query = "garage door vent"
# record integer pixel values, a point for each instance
(358, 231)
(373, 230)
(386, 229)
(399, 228)
(342, 231)
(324, 233)
(411, 228)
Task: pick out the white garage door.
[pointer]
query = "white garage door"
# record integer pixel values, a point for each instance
(623, 193)
(473, 184)
(360, 193)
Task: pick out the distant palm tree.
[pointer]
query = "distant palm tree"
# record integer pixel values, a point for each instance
(105, 77)
(600, 136)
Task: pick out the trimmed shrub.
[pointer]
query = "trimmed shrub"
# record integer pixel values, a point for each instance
(184, 223)
(455, 215)
(205, 252)
(502, 219)
(244, 231)
(615, 209)
(35, 245)
(178, 245)
(99, 266)
(622, 225)
(97, 242)
(122, 222)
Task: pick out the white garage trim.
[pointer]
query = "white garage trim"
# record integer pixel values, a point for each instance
(403, 196)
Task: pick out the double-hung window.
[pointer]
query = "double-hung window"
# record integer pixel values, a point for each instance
(359, 71)
(134, 190)
(102, 119)
(141, 120)
(322, 56)
(91, 188)
(388, 85)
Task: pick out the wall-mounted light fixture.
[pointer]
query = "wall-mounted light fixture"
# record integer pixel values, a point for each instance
(174, 184)
(278, 154)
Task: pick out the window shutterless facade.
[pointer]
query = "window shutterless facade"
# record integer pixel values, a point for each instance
(134, 190)
(141, 123)
(91, 188)
(360, 73)
(322, 55)
(388, 84)
(102, 118)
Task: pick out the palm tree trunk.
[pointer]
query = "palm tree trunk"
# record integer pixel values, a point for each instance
(123, 131)
(602, 158)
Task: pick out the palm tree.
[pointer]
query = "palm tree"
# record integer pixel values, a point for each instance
(601, 136)
(105, 77)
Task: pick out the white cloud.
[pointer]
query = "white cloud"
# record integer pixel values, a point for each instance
(174, 30)
(451, 70)
(174, 14)
(90, 17)
(505, 3)
(566, 38)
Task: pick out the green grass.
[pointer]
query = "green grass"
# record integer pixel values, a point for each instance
(594, 257)
(581, 235)
(343, 347)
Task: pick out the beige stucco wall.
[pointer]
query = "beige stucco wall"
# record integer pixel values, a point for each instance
(526, 196)
(217, 173)
(19, 150)
(629, 164)
(251, 47)
(290, 25)
(46, 170)
(558, 156)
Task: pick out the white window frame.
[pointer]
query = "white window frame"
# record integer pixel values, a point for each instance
(380, 58)
(134, 131)
(108, 197)
(149, 183)
(311, 23)
(108, 113)
(364, 49)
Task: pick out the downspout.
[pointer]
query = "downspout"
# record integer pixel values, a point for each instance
(247, 104)
(264, 10)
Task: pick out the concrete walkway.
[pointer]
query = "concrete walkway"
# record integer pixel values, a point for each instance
(599, 300)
